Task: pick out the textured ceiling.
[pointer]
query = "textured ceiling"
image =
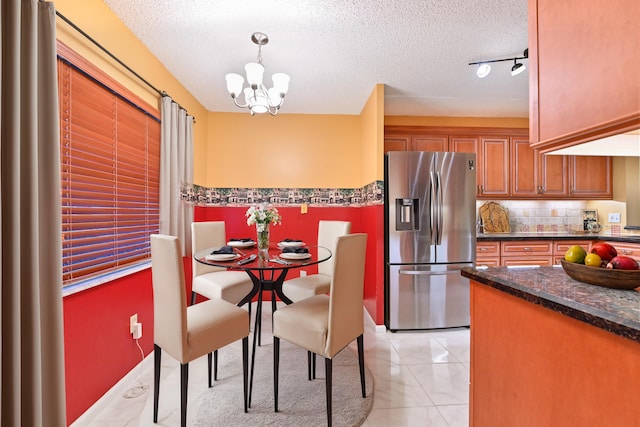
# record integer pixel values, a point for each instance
(336, 51)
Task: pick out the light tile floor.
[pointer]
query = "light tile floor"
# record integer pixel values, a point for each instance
(421, 379)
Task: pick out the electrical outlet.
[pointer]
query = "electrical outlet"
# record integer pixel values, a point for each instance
(614, 217)
(303, 273)
(132, 321)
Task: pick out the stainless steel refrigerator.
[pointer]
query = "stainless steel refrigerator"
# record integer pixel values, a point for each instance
(430, 235)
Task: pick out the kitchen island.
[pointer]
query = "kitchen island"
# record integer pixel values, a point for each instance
(547, 350)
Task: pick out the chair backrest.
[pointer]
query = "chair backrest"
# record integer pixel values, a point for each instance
(346, 312)
(328, 233)
(206, 235)
(169, 295)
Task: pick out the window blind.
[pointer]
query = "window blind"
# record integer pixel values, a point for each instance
(110, 165)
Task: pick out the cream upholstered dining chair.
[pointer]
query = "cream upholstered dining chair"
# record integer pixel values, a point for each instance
(215, 282)
(326, 324)
(318, 284)
(188, 332)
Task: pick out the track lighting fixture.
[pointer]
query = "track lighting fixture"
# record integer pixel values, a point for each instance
(518, 67)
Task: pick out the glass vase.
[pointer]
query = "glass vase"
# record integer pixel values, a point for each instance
(263, 239)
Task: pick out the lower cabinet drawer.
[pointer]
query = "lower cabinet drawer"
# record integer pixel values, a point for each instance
(488, 262)
(526, 248)
(629, 249)
(544, 261)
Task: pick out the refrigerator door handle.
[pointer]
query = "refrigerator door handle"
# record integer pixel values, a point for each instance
(438, 207)
(428, 273)
(433, 223)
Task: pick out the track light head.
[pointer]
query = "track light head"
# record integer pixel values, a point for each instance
(517, 68)
(483, 70)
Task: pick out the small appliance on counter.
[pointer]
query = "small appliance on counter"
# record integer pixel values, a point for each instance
(430, 235)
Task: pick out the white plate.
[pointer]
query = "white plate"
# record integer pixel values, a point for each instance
(293, 255)
(291, 244)
(222, 257)
(239, 244)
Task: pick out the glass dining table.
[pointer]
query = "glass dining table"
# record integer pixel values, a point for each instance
(267, 270)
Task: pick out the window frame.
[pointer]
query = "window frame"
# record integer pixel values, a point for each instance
(139, 254)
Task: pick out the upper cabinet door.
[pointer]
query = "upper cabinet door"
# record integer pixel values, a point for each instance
(590, 177)
(552, 175)
(494, 167)
(397, 143)
(430, 143)
(583, 63)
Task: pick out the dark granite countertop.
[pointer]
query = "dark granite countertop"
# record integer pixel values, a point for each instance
(630, 238)
(616, 311)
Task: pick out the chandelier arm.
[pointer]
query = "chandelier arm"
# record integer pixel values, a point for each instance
(235, 101)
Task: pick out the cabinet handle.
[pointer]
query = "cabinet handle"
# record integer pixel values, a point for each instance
(626, 251)
(483, 249)
(526, 248)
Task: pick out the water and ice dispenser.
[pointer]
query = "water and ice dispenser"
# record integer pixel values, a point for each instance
(407, 214)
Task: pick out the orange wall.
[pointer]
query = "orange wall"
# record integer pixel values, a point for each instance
(288, 150)
(97, 20)
(372, 129)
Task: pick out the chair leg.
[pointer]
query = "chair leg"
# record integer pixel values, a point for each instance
(157, 354)
(193, 298)
(313, 365)
(184, 380)
(276, 368)
(209, 357)
(360, 340)
(245, 370)
(215, 365)
(328, 376)
(309, 364)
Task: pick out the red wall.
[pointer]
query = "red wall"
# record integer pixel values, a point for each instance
(99, 349)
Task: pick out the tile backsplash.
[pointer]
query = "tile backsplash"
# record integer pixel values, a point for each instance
(553, 216)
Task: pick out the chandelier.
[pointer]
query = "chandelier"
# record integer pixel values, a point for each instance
(257, 97)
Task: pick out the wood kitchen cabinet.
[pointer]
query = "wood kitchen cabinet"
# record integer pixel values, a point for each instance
(590, 177)
(487, 254)
(583, 62)
(416, 143)
(397, 143)
(629, 249)
(560, 247)
(493, 168)
(530, 252)
(507, 166)
(535, 175)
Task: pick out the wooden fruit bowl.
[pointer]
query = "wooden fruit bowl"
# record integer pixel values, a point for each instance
(609, 278)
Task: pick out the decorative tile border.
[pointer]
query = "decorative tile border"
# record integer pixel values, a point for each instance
(370, 194)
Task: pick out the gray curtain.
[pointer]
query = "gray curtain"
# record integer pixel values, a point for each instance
(32, 392)
(176, 171)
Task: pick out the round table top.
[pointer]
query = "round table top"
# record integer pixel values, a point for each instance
(274, 259)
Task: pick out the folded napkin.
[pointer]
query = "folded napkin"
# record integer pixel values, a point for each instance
(244, 240)
(291, 240)
(295, 250)
(223, 250)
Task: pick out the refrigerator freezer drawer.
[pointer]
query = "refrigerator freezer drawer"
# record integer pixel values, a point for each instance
(428, 297)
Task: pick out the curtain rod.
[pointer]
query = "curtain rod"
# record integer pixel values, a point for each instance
(92, 40)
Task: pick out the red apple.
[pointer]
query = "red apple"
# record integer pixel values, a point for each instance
(605, 250)
(622, 262)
